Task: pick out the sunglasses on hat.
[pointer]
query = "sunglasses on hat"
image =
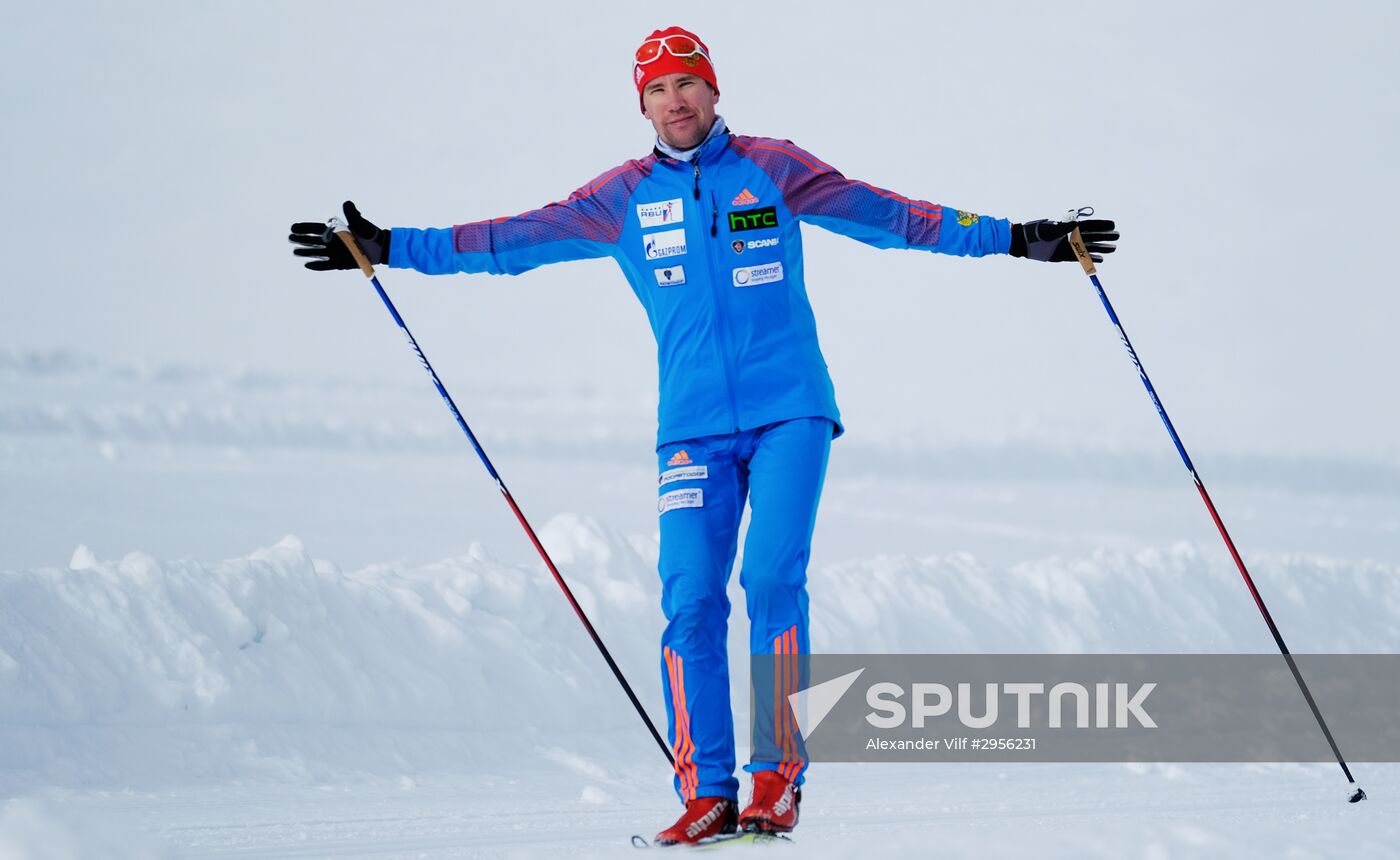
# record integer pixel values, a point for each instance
(677, 46)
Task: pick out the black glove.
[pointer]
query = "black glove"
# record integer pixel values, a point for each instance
(317, 240)
(1048, 241)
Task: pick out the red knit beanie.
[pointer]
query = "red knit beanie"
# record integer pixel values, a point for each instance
(672, 52)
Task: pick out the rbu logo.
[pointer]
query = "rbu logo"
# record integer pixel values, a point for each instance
(657, 214)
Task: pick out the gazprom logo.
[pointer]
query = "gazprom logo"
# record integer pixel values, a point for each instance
(667, 243)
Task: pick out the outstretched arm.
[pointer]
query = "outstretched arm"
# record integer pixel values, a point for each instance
(584, 226)
(818, 193)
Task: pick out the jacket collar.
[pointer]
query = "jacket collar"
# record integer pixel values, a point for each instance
(708, 150)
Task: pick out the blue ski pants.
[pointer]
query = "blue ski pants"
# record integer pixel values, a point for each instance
(703, 484)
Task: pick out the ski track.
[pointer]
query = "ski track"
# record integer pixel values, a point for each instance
(1054, 810)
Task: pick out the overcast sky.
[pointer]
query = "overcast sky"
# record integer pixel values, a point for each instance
(154, 154)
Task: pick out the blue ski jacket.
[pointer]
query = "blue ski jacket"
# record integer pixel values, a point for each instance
(712, 249)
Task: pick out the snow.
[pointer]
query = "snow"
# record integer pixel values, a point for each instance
(273, 705)
(259, 599)
(403, 678)
(275, 658)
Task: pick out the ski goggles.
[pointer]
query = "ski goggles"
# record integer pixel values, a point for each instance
(677, 46)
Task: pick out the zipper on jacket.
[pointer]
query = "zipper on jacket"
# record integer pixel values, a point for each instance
(715, 290)
(714, 214)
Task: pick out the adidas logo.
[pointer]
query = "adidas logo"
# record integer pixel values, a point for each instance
(681, 459)
(745, 198)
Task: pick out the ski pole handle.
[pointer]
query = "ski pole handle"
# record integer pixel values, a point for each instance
(343, 231)
(1076, 242)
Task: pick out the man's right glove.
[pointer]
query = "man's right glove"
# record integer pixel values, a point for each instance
(317, 241)
(1048, 241)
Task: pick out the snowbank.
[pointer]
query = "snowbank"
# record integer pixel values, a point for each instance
(1174, 600)
(142, 670)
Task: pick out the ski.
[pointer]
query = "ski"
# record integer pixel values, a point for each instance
(724, 839)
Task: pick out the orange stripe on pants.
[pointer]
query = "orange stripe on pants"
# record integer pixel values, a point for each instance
(785, 720)
(778, 702)
(684, 746)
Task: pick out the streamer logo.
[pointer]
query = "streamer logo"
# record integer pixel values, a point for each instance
(752, 276)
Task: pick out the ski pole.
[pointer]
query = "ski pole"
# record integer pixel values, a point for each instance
(342, 231)
(1082, 253)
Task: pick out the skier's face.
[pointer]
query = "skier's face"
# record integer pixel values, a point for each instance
(681, 108)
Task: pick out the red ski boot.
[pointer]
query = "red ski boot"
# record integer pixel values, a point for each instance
(773, 808)
(704, 817)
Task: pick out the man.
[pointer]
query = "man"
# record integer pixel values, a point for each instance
(705, 228)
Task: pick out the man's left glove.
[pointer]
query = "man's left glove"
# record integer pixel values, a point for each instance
(317, 241)
(1048, 241)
